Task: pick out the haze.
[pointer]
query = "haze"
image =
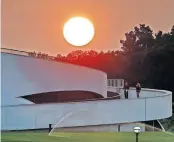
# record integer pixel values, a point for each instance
(36, 25)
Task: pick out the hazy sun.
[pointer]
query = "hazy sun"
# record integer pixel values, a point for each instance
(78, 31)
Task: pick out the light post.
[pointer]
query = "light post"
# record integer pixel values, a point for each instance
(137, 130)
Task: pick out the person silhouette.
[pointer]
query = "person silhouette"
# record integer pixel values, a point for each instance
(138, 89)
(126, 88)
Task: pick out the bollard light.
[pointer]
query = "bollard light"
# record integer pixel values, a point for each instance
(137, 130)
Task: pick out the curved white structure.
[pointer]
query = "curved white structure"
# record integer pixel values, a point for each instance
(95, 112)
(26, 75)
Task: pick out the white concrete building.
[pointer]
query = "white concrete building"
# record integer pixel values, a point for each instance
(37, 92)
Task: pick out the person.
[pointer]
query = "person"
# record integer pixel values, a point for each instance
(138, 89)
(126, 88)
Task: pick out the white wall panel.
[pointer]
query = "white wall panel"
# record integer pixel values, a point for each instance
(23, 75)
(88, 113)
(128, 127)
(158, 107)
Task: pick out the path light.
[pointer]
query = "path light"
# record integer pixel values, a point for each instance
(137, 130)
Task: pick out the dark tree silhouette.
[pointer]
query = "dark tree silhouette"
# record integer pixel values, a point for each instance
(141, 39)
(145, 57)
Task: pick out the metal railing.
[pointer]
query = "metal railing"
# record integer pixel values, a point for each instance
(28, 54)
(14, 51)
(115, 83)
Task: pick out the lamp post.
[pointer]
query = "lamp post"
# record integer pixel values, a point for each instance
(137, 130)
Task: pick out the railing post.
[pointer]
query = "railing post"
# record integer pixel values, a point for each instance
(137, 137)
(50, 127)
(145, 109)
(118, 127)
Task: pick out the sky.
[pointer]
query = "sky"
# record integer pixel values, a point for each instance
(36, 25)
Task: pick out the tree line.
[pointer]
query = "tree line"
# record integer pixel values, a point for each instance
(145, 57)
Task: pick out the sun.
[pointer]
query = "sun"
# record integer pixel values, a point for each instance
(78, 31)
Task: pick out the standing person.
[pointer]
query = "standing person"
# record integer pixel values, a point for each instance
(138, 89)
(126, 88)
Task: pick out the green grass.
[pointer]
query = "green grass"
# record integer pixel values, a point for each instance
(85, 137)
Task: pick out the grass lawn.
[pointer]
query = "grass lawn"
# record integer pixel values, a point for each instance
(85, 137)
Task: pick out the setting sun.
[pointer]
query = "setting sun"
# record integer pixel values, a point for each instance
(78, 31)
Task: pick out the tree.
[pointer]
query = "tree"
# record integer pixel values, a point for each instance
(129, 44)
(141, 39)
(144, 36)
(172, 30)
(145, 58)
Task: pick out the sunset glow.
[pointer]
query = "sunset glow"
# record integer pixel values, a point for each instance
(78, 31)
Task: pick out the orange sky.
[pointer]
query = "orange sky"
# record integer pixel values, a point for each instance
(37, 24)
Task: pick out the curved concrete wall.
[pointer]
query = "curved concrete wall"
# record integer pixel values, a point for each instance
(127, 127)
(22, 75)
(88, 113)
(26, 75)
(145, 93)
